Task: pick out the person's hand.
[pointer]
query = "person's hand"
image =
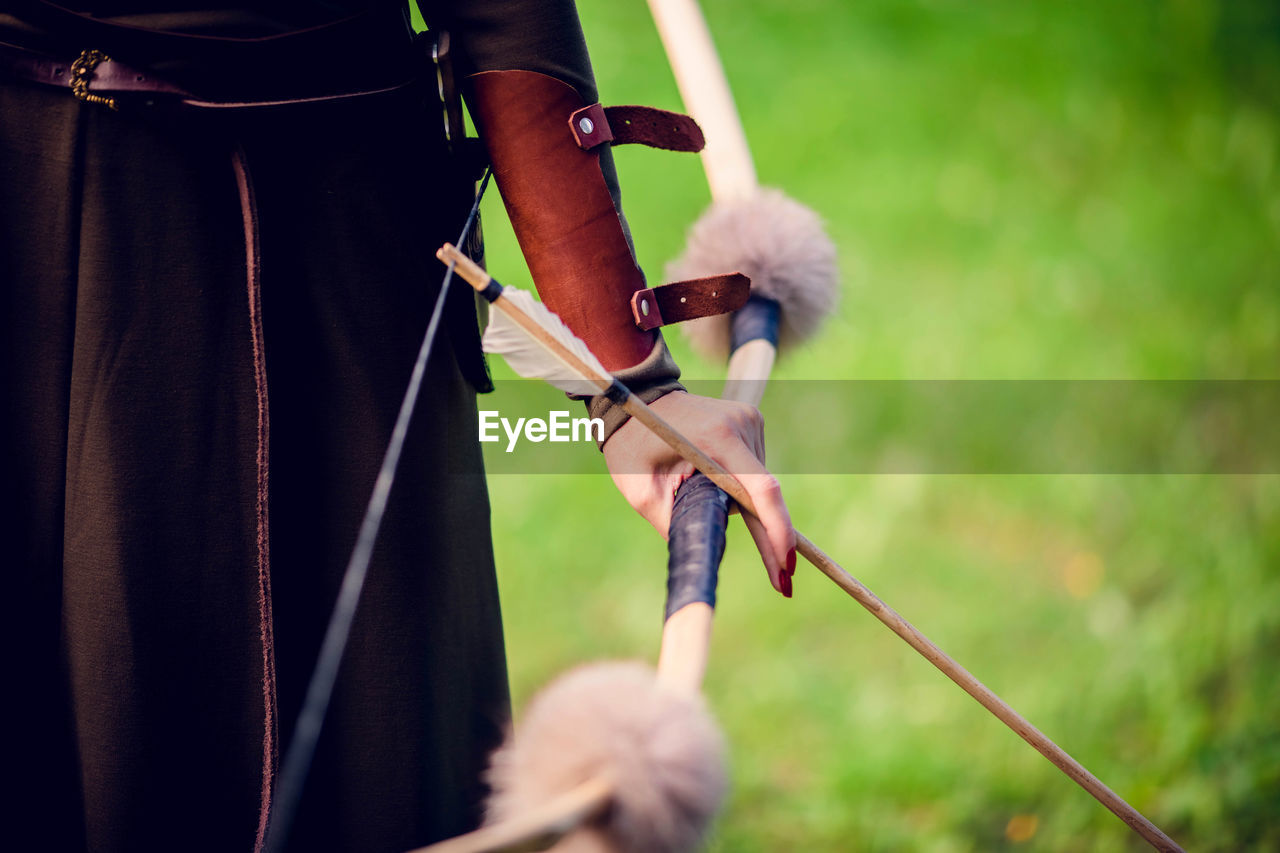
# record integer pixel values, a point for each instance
(648, 471)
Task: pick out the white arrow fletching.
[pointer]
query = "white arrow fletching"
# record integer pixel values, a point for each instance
(532, 359)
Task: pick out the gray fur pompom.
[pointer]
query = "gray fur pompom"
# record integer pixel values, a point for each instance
(776, 242)
(663, 749)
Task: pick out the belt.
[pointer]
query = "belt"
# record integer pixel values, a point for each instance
(93, 77)
(110, 63)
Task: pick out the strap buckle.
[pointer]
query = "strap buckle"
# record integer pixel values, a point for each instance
(82, 72)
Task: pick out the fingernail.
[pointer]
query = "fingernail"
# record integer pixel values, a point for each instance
(786, 585)
(791, 562)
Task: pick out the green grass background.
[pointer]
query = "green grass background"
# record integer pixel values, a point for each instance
(1055, 190)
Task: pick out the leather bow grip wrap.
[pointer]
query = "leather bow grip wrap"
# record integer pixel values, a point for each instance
(695, 543)
(560, 207)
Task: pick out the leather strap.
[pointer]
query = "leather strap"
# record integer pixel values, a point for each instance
(688, 300)
(595, 125)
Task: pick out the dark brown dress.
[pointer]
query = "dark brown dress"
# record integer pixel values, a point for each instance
(156, 647)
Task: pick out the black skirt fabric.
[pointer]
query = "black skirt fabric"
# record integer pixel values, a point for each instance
(157, 647)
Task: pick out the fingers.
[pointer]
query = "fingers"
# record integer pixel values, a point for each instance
(738, 444)
(648, 472)
(760, 536)
(771, 528)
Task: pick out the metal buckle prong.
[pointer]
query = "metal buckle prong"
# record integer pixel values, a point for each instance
(82, 73)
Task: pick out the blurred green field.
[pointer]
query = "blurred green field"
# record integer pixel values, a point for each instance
(1055, 190)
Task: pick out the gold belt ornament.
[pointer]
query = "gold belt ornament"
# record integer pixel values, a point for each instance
(82, 72)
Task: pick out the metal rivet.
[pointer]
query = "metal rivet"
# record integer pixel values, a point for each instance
(713, 293)
(644, 307)
(586, 124)
(682, 299)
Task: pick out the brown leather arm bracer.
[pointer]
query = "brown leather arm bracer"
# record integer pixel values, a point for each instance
(561, 210)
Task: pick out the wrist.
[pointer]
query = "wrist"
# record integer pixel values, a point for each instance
(654, 377)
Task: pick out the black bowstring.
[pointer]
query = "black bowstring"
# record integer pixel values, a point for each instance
(302, 746)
